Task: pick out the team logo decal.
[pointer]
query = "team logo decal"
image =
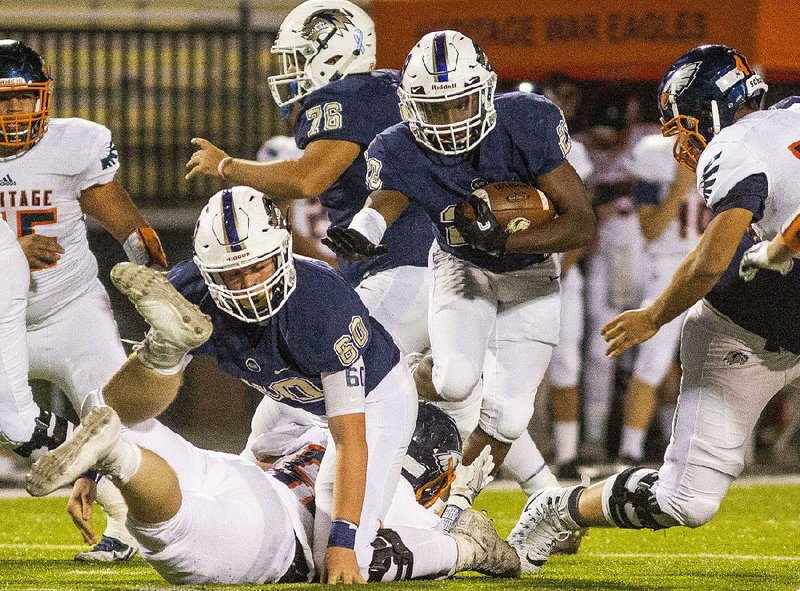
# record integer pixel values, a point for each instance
(324, 24)
(680, 80)
(252, 364)
(735, 358)
(447, 460)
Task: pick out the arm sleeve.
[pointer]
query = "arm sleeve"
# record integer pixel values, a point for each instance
(344, 390)
(541, 132)
(382, 172)
(728, 176)
(750, 193)
(103, 161)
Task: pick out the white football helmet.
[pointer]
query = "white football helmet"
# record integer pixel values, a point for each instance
(447, 93)
(238, 228)
(321, 41)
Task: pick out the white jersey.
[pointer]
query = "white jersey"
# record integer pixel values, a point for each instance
(7, 237)
(764, 142)
(40, 192)
(652, 162)
(578, 157)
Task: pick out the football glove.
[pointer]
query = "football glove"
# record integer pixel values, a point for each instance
(351, 244)
(480, 229)
(755, 258)
(471, 480)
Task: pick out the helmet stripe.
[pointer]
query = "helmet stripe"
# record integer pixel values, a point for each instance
(229, 221)
(440, 56)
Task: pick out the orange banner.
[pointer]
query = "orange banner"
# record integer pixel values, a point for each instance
(612, 39)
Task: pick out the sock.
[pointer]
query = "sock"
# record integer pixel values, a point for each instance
(110, 499)
(565, 436)
(632, 443)
(525, 464)
(666, 413)
(122, 463)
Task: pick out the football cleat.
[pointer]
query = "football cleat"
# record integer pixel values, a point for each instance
(92, 441)
(544, 521)
(481, 549)
(570, 544)
(177, 325)
(108, 549)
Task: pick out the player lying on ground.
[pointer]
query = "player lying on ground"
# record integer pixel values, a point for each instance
(740, 343)
(186, 505)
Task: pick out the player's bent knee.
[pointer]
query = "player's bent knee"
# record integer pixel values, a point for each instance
(692, 511)
(455, 378)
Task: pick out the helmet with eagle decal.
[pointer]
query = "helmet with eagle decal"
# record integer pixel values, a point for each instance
(321, 41)
(433, 454)
(701, 93)
(25, 91)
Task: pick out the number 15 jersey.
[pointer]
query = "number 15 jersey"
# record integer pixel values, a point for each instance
(40, 191)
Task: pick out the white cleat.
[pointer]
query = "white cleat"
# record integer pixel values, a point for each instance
(91, 442)
(175, 321)
(481, 549)
(544, 521)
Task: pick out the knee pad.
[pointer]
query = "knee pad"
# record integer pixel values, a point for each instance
(691, 512)
(388, 550)
(629, 501)
(505, 427)
(455, 378)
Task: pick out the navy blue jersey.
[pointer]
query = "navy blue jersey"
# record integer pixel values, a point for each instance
(356, 109)
(766, 306)
(322, 328)
(530, 139)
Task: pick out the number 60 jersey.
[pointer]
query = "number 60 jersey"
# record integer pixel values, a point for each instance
(40, 191)
(323, 328)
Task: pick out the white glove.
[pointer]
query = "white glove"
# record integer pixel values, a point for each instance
(756, 258)
(472, 479)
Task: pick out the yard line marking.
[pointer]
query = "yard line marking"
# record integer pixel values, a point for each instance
(43, 547)
(687, 555)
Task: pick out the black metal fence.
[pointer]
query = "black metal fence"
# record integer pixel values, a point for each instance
(157, 89)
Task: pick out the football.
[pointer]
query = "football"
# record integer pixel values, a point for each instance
(517, 205)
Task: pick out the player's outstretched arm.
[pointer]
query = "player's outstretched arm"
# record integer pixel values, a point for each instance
(695, 277)
(575, 225)
(361, 239)
(322, 162)
(111, 205)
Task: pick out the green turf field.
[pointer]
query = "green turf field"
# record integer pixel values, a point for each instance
(753, 544)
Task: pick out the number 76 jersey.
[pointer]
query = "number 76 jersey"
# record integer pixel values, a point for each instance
(40, 192)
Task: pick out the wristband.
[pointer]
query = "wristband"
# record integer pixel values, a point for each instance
(370, 223)
(221, 166)
(92, 474)
(343, 534)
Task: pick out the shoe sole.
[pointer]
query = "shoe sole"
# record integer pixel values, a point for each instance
(190, 326)
(498, 545)
(63, 465)
(91, 556)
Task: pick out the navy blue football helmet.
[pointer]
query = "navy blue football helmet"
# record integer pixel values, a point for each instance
(700, 94)
(23, 72)
(433, 454)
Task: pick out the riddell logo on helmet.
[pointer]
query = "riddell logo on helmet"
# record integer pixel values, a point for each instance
(238, 256)
(449, 86)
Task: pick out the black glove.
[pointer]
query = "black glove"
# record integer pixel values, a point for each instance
(480, 229)
(351, 244)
